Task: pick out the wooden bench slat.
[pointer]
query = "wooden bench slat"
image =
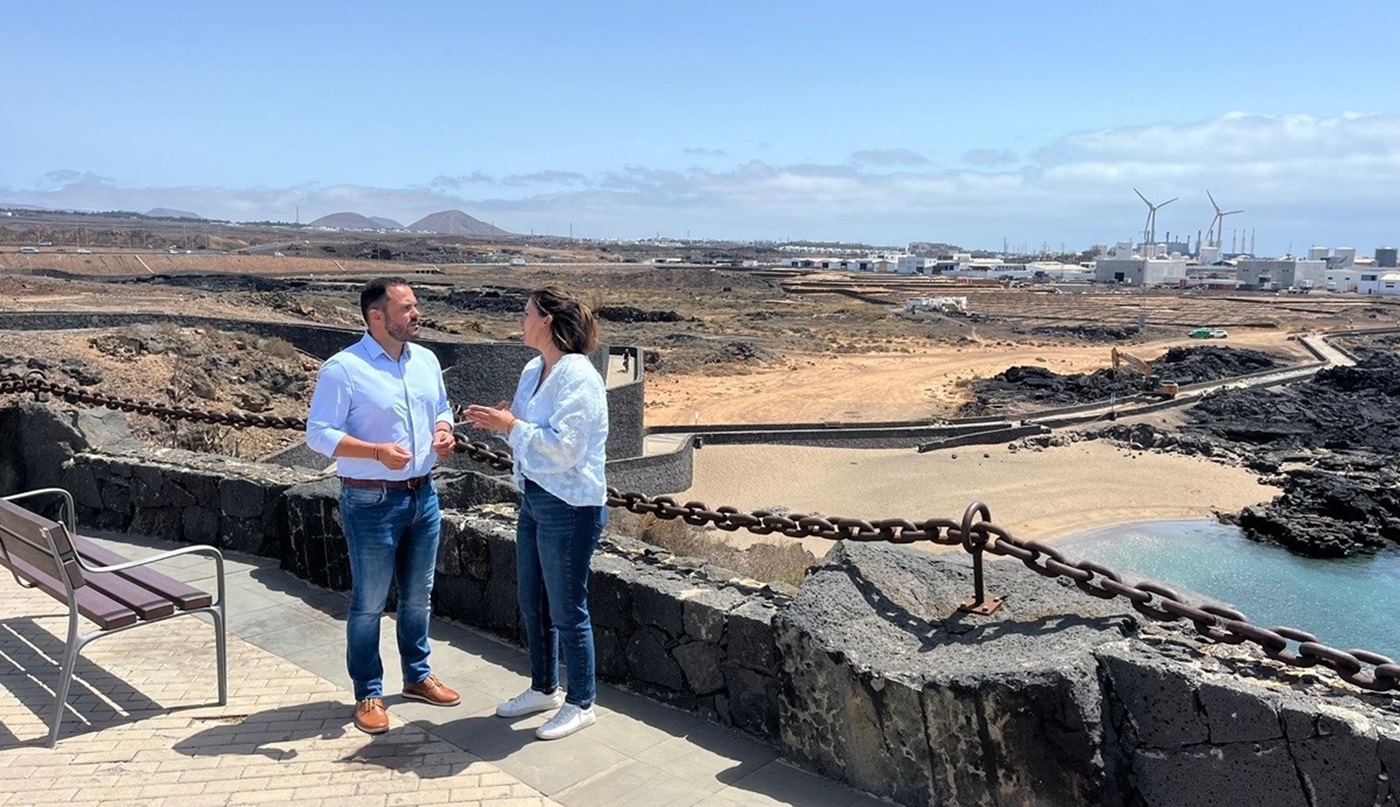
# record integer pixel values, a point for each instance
(93, 604)
(148, 604)
(185, 597)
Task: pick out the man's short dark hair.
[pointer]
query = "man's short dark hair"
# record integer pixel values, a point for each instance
(375, 292)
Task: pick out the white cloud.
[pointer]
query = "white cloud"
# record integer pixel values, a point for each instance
(890, 157)
(989, 158)
(456, 181)
(1300, 179)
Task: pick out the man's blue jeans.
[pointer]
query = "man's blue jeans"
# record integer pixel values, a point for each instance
(553, 544)
(392, 535)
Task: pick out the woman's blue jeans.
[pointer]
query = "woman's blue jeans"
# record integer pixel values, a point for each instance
(392, 536)
(554, 542)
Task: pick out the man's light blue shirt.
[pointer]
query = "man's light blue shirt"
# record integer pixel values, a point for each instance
(363, 393)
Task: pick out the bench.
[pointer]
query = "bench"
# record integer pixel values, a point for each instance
(112, 592)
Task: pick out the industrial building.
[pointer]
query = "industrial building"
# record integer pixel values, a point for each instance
(1281, 273)
(1123, 266)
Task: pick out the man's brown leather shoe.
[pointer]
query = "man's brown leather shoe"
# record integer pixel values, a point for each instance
(432, 690)
(371, 717)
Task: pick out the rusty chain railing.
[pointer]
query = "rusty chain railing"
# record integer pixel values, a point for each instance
(974, 532)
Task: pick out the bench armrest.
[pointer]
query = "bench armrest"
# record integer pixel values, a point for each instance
(197, 549)
(69, 513)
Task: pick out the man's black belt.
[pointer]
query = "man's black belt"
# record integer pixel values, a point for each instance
(392, 484)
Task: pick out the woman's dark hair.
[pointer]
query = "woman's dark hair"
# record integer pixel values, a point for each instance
(374, 292)
(574, 328)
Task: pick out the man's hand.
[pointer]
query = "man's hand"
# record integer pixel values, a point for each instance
(443, 443)
(392, 456)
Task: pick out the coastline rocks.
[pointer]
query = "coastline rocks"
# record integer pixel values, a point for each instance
(1342, 427)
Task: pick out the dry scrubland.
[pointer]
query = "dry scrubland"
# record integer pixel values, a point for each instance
(723, 346)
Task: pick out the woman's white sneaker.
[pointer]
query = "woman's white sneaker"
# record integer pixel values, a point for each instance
(529, 702)
(568, 720)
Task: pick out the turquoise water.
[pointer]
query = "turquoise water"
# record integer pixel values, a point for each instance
(1346, 603)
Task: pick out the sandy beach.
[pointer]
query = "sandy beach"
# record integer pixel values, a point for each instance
(1047, 494)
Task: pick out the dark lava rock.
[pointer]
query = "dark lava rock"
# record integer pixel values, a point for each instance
(1341, 408)
(627, 313)
(1190, 365)
(1028, 384)
(1343, 427)
(888, 686)
(81, 372)
(501, 301)
(1087, 333)
(739, 352)
(1022, 385)
(1145, 436)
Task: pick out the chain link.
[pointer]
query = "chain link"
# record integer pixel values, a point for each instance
(34, 382)
(1152, 599)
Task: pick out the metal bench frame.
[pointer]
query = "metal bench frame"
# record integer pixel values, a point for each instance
(77, 641)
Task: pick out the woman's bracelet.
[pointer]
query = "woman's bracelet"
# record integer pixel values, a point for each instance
(376, 452)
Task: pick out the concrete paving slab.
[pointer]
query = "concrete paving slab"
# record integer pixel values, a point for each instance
(779, 783)
(632, 784)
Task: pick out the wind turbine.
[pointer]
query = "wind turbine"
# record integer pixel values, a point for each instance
(1149, 230)
(1217, 224)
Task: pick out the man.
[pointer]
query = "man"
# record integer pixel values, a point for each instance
(380, 410)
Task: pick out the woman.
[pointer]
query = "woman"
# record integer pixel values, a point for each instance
(557, 427)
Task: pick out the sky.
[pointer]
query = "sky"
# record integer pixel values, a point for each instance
(1025, 124)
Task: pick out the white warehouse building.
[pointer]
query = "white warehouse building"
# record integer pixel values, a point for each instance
(1141, 271)
(1281, 273)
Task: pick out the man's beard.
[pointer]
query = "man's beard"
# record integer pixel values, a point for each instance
(399, 333)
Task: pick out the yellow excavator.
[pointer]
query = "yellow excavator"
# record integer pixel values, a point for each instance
(1166, 389)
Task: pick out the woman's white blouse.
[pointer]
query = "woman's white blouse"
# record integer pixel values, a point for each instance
(561, 430)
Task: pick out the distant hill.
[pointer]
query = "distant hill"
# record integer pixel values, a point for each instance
(454, 222)
(347, 221)
(388, 224)
(168, 213)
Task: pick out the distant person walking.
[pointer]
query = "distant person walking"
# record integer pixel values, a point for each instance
(380, 410)
(557, 427)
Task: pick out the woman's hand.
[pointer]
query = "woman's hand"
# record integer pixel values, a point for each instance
(496, 419)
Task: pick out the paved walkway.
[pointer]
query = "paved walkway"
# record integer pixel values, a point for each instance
(139, 730)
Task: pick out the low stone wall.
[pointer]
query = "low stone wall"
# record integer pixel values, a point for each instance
(655, 474)
(183, 496)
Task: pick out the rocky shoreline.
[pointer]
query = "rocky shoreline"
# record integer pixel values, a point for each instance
(1328, 442)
